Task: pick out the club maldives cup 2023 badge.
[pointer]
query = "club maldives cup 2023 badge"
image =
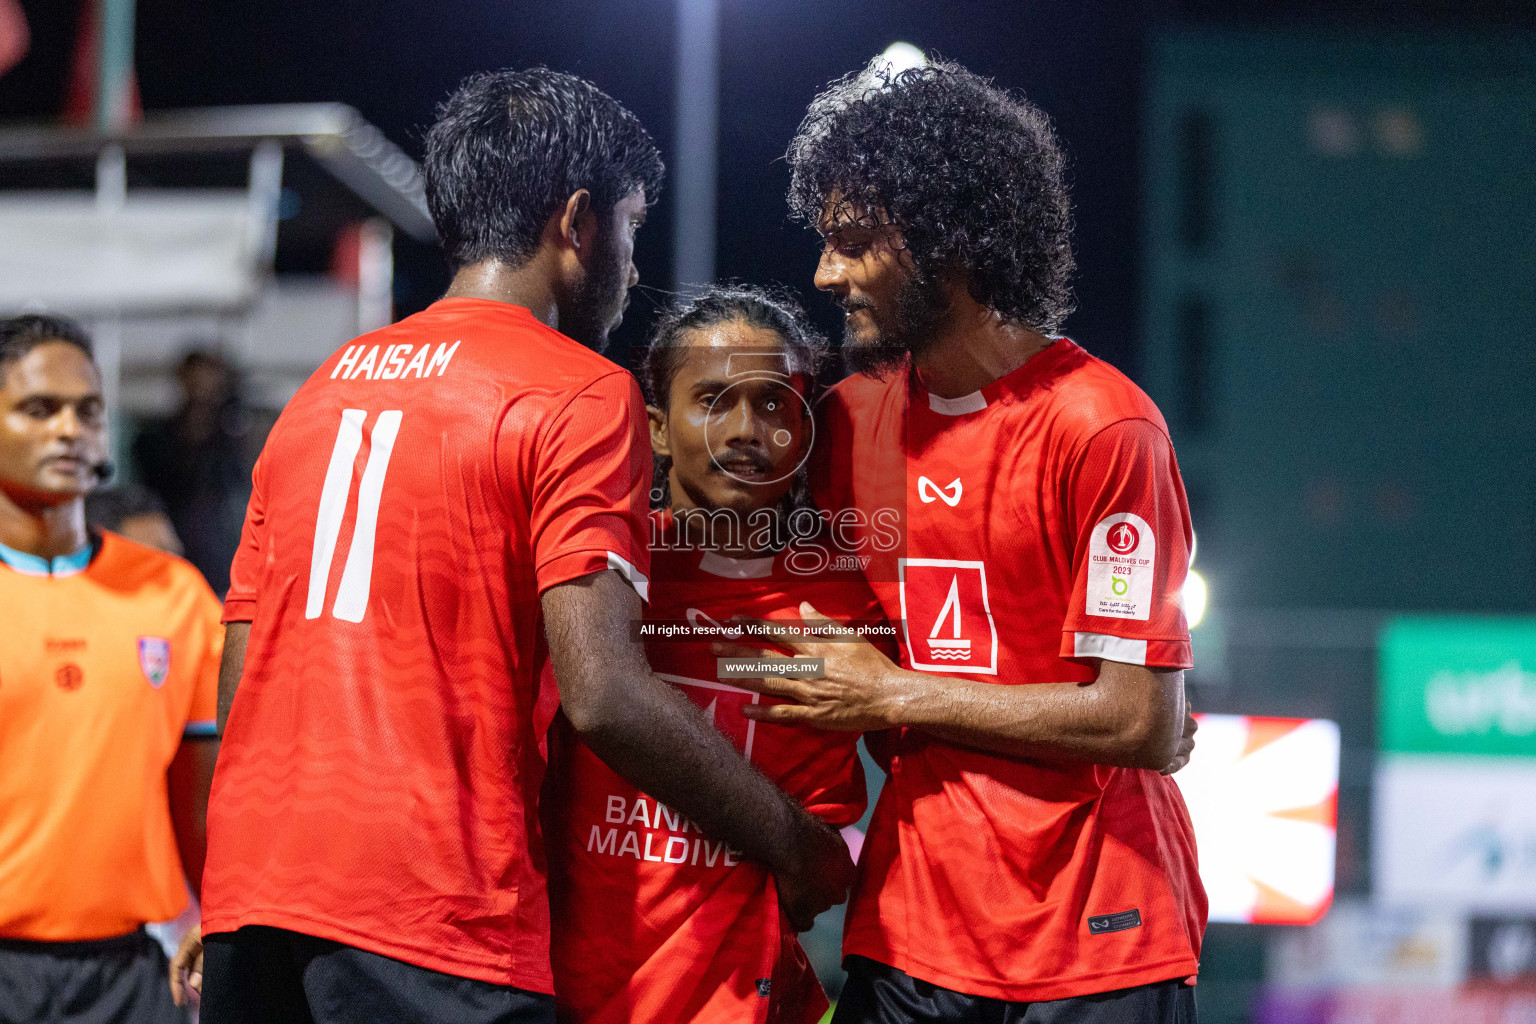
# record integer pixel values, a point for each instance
(155, 659)
(1122, 556)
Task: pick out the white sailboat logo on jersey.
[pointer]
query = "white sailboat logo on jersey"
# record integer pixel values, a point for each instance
(955, 647)
(949, 597)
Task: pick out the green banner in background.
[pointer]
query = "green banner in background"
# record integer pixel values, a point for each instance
(1458, 685)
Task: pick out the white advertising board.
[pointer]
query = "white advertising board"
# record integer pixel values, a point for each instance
(1456, 831)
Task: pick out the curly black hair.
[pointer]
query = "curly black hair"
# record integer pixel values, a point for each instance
(973, 174)
(773, 309)
(510, 147)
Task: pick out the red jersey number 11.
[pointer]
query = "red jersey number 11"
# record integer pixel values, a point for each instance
(357, 576)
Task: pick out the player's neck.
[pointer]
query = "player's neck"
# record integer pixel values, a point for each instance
(705, 533)
(975, 347)
(531, 285)
(47, 531)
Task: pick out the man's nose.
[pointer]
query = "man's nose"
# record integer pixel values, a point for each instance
(634, 274)
(830, 276)
(742, 424)
(67, 423)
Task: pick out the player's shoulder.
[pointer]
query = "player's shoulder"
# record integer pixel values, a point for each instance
(511, 339)
(127, 564)
(1086, 394)
(461, 341)
(861, 402)
(861, 389)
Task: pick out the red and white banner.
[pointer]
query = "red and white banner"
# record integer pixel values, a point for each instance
(1263, 795)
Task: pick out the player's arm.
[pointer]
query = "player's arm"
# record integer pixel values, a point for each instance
(230, 666)
(188, 781)
(1130, 716)
(655, 737)
(245, 574)
(190, 775)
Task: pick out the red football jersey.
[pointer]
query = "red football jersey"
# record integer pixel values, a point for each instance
(655, 921)
(1013, 533)
(379, 777)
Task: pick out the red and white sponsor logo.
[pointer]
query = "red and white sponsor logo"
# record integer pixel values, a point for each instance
(1122, 559)
(1123, 538)
(946, 616)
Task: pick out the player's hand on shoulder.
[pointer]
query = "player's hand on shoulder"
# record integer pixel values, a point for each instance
(818, 877)
(187, 966)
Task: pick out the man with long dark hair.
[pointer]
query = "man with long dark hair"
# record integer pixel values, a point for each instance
(437, 499)
(1027, 861)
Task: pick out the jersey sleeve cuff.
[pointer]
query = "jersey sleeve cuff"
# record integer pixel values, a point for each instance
(200, 727)
(239, 609)
(577, 564)
(1127, 650)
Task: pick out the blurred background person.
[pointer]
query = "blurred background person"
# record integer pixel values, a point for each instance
(198, 462)
(134, 512)
(108, 683)
(14, 37)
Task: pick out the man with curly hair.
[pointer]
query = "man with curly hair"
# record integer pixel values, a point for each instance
(1029, 859)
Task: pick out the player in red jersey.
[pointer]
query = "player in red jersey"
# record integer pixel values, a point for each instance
(653, 920)
(440, 496)
(1026, 860)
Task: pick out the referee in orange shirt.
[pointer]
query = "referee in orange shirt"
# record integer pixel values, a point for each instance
(109, 656)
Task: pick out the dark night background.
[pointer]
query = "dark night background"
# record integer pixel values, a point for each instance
(1081, 60)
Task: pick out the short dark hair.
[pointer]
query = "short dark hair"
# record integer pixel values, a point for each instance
(21, 334)
(510, 148)
(973, 174)
(774, 309)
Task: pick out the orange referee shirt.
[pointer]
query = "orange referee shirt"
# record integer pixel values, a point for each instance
(104, 666)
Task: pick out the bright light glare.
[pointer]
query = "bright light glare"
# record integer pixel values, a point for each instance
(899, 57)
(1194, 598)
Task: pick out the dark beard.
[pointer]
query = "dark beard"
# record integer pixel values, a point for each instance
(587, 322)
(920, 307)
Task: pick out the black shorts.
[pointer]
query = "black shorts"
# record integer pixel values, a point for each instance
(260, 975)
(877, 994)
(124, 980)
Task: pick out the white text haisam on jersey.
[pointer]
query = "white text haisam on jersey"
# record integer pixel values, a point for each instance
(395, 361)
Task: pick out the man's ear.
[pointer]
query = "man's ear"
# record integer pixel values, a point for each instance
(660, 444)
(578, 221)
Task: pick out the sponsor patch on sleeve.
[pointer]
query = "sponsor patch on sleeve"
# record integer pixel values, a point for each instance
(1122, 556)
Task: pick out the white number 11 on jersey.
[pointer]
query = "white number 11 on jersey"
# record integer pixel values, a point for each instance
(357, 577)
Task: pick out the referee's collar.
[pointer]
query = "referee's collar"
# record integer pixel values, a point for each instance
(34, 565)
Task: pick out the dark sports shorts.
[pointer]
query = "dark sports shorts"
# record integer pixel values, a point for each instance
(261, 975)
(123, 980)
(877, 994)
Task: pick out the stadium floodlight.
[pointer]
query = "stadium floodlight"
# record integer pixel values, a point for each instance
(900, 56)
(1195, 593)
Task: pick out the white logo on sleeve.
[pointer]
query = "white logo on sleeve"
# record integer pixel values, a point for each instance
(949, 493)
(1122, 557)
